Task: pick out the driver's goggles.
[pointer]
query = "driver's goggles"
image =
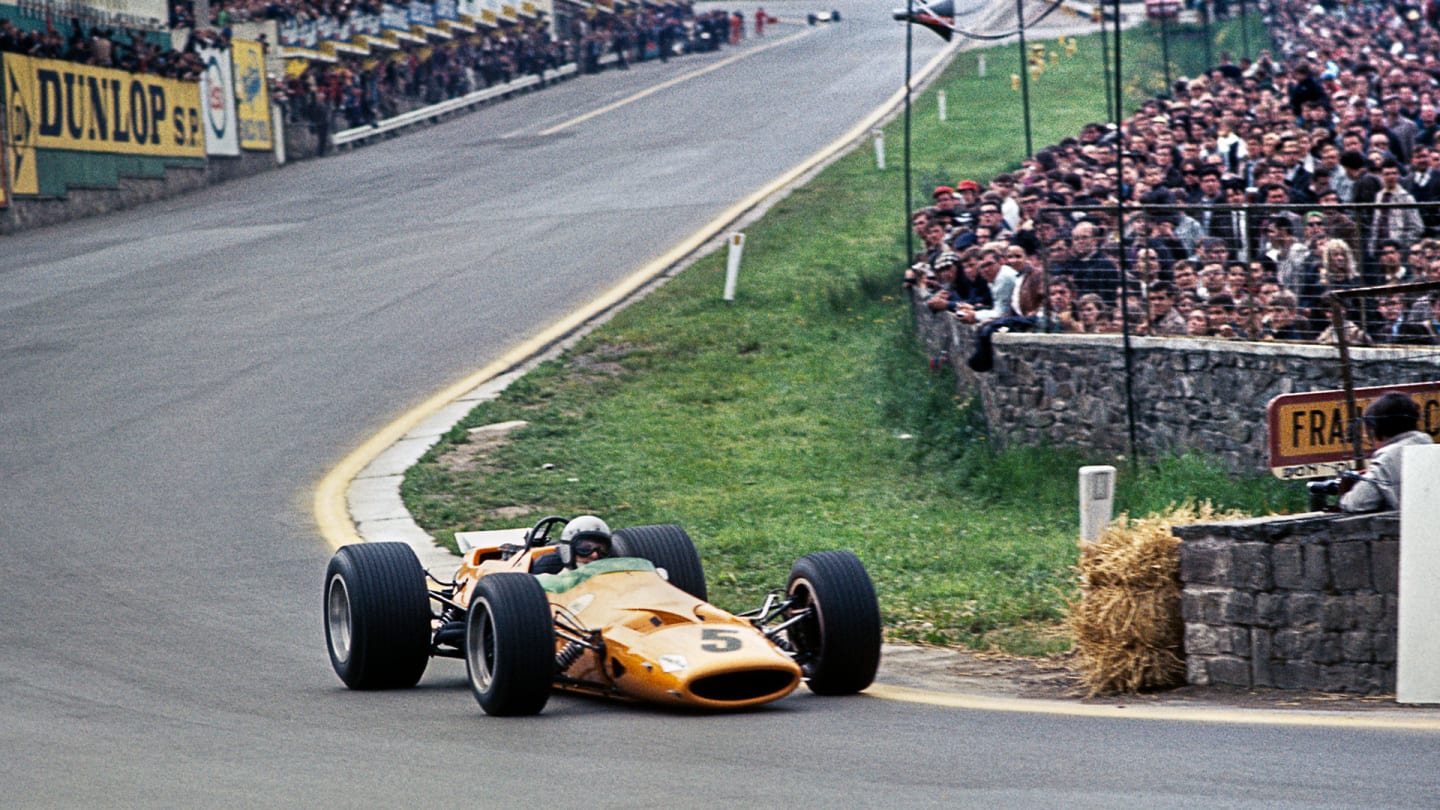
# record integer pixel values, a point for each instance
(586, 549)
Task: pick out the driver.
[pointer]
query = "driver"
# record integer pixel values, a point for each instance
(584, 540)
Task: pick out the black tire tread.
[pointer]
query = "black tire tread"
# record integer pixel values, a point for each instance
(669, 547)
(849, 622)
(389, 615)
(524, 641)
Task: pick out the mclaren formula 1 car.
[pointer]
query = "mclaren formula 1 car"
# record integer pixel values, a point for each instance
(635, 626)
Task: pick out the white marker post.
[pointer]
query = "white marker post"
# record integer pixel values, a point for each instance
(982, 65)
(1417, 659)
(879, 148)
(732, 264)
(940, 96)
(1097, 501)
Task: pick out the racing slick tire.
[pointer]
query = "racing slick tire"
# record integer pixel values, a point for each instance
(668, 546)
(510, 645)
(377, 616)
(838, 644)
(835, 15)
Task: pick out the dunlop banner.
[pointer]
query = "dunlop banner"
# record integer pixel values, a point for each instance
(253, 93)
(68, 106)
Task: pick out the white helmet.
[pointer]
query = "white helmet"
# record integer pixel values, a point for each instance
(584, 527)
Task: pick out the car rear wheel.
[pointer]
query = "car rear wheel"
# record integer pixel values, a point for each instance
(667, 546)
(377, 616)
(837, 644)
(510, 645)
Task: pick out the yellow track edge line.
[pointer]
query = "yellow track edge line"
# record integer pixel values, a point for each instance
(332, 514)
(1171, 713)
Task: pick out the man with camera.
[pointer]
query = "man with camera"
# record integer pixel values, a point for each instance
(1392, 421)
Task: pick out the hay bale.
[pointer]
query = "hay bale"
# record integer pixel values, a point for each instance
(1127, 625)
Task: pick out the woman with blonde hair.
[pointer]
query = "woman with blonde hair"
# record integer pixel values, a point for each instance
(1337, 263)
(1333, 269)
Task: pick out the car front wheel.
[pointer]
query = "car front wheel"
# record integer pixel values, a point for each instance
(510, 645)
(377, 616)
(837, 642)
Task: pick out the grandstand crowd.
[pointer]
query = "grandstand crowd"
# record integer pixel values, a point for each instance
(1248, 193)
(103, 46)
(357, 90)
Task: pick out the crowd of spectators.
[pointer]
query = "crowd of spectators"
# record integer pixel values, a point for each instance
(359, 90)
(1232, 205)
(126, 49)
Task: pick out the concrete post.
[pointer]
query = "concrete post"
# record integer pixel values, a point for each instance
(1097, 501)
(1417, 665)
(879, 148)
(732, 264)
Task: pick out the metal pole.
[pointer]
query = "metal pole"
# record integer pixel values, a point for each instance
(1105, 62)
(1120, 229)
(1206, 10)
(909, 205)
(1024, 77)
(1342, 343)
(1165, 50)
(1244, 32)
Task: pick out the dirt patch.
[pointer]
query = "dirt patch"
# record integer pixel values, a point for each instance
(601, 361)
(472, 454)
(509, 512)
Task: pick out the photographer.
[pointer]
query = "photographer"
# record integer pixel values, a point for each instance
(1392, 421)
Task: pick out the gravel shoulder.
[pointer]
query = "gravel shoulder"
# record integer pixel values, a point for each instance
(1056, 679)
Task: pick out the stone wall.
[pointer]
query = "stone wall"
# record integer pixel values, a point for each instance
(1203, 395)
(1296, 602)
(38, 212)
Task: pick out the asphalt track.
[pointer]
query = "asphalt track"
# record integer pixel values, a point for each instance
(175, 380)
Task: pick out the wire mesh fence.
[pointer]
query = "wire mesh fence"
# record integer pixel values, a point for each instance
(1362, 279)
(1246, 271)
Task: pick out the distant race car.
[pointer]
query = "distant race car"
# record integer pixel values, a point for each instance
(633, 626)
(823, 16)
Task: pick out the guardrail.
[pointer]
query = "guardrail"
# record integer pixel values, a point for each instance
(361, 134)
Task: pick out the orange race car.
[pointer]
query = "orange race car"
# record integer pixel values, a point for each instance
(633, 625)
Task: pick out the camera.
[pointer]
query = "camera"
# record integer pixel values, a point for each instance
(1322, 491)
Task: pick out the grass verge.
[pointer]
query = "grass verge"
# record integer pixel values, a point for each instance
(803, 416)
